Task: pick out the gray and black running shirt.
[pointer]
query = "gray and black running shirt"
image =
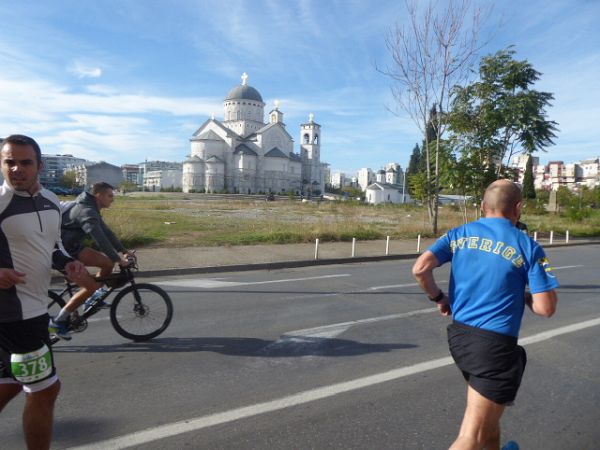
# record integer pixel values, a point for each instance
(29, 232)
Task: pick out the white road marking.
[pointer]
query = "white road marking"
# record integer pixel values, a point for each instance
(567, 267)
(203, 283)
(392, 286)
(369, 289)
(199, 423)
(210, 283)
(334, 329)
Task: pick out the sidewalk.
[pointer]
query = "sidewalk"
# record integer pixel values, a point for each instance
(164, 261)
(189, 260)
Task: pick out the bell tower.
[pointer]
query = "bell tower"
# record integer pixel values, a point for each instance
(310, 152)
(276, 116)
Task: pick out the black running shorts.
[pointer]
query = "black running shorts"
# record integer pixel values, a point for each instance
(492, 363)
(25, 347)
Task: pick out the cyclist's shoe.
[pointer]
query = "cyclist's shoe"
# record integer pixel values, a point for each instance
(60, 328)
(511, 445)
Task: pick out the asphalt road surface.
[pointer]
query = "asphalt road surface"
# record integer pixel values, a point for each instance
(332, 357)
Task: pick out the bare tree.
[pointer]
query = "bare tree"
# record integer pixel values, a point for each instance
(431, 54)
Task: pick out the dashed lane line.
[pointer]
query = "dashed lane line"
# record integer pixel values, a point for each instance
(215, 283)
(211, 283)
(199, 423)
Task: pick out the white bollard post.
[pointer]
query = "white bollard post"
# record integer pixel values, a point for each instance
(535, 236)
(419, 244)
(567, 237)
(353, 246)
(551, 236)
(317, 248)
(387, 246)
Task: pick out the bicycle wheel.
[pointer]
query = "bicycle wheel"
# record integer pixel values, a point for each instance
(141, 312)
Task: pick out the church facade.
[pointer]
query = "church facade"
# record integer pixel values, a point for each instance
(243, 154)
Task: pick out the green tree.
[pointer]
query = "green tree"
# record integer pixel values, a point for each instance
(418, 186)
(590, 197)
(528, 185)
(69, 179)
(564, 197)
(414, 163)
(500, 114)
(542, 195)
(468, 176)
(128, 186)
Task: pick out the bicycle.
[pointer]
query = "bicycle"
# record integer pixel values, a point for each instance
(140, 311)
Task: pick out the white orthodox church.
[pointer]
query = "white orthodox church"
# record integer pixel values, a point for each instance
(243, 154)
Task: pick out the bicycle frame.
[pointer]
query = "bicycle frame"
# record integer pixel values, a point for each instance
(125, 276)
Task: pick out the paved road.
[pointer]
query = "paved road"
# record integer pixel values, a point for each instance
(345, 356)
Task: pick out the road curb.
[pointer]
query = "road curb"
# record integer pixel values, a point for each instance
(271, 265)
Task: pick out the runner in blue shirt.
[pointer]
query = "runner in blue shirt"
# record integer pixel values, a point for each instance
(492, 263)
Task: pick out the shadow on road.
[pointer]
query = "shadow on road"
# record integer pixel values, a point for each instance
(290, 346)
(87, 429)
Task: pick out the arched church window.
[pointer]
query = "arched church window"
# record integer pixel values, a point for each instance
(306, 138)
(239, 115)
(316, 139)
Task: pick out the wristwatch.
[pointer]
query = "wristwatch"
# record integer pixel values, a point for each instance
(437, 298)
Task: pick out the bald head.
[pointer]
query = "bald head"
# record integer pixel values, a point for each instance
(502, 198)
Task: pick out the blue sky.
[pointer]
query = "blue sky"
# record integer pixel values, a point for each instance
(126, 80)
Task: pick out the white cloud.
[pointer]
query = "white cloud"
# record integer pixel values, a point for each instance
(82, 70)
(101, 123)
(115, 147)
(38, 97)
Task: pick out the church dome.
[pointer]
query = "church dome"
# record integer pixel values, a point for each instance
(244, 92)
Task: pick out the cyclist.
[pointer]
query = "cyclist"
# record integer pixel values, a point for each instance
(80, 219)
(29, 230)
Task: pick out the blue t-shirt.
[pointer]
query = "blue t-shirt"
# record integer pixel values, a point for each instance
(492, 262)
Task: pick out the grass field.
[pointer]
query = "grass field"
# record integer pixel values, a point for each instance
(181, 220)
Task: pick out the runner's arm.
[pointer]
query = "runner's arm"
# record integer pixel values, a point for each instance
(423, 272)
(542, 303)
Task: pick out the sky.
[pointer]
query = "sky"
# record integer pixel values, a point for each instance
(123, 81)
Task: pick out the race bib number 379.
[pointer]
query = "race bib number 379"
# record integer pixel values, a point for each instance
(33, 366)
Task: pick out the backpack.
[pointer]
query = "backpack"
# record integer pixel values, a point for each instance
(66, 206)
